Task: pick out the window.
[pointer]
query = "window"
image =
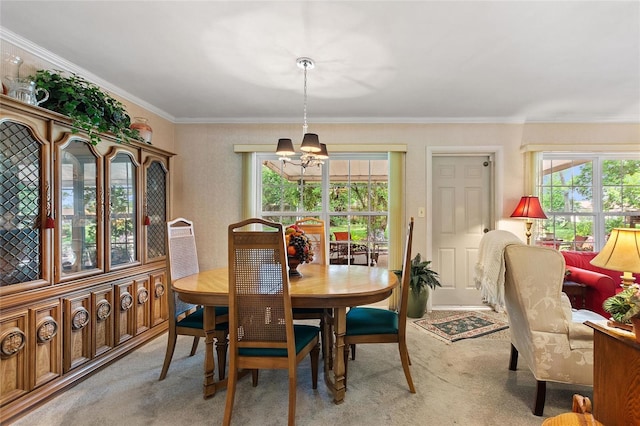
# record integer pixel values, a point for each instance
(585, 196)
(350, 193)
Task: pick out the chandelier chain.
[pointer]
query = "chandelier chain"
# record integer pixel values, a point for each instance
(304, 125)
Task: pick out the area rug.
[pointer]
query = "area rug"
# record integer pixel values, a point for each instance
(463, 325)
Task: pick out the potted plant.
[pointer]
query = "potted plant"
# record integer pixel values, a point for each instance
(421, 276)
(89, 108)
(624, 307)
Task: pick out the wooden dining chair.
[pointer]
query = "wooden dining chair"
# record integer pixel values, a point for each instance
(374, 325)
(262, 333)
(314, 228)
(185, 318)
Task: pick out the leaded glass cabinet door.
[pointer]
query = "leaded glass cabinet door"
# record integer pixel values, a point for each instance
(122, 209)
(23, 205)
(155, 209)
(79, 235)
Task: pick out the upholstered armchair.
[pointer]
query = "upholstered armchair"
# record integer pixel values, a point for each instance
(545, 330)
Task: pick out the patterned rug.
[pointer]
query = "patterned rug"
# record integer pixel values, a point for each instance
(462, 325)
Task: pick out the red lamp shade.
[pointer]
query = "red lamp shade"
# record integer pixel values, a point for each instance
(529, 207)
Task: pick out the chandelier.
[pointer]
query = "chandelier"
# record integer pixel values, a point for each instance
(313, 152)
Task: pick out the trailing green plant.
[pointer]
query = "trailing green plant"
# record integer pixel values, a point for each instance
(89, 108)
(421, 275)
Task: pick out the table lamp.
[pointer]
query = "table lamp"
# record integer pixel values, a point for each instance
(621, 253)
(529, 208)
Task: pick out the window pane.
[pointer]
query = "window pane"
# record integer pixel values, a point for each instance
(566, 186)
(278, 193)
(611, 199)
(338, 196)
(312, 196)
(621, 183)
(339, 185)
(380, 196)
(359, 196)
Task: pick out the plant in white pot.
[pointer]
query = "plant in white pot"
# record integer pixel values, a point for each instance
(421, 276)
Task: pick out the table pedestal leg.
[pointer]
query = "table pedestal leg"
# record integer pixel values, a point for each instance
(209, 321)
(337, 384)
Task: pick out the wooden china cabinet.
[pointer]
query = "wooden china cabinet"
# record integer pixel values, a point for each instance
(82, 245)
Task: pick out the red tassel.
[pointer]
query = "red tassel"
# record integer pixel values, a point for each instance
(49, 223)
(147, 221)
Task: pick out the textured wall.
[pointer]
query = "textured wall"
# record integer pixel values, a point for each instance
(207, 182)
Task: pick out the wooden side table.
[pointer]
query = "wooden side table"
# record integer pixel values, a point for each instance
(616, 375)
(577, 293)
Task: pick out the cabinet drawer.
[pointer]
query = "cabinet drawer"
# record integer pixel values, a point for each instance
(45, 321)
(142, 305)
(103, 320)
(159, 306)
(14, 355)
(124, 312)
(77, 330)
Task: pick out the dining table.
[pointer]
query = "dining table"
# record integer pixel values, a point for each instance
(332, 287)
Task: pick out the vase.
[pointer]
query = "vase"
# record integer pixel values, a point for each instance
(293, 265)
(636, 327)
(417, 303)
(140, 124)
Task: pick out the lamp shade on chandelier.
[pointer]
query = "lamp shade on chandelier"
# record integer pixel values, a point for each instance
(313, 152)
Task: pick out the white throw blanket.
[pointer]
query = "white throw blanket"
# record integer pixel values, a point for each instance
(490, 268)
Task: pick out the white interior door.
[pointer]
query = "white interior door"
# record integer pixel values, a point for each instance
(461, 209)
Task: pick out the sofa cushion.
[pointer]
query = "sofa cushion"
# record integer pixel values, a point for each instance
(581, 259)
(600, 285)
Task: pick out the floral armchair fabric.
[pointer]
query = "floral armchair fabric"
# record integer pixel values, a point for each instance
(544, 328)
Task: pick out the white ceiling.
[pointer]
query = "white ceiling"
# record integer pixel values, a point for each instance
(376, 61)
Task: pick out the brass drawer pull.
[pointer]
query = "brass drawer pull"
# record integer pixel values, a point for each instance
(47, 330)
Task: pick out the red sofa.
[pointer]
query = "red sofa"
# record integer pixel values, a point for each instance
(601, 283)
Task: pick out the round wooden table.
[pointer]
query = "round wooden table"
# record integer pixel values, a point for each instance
(334, 287)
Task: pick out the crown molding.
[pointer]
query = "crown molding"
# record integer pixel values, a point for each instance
(62, 64)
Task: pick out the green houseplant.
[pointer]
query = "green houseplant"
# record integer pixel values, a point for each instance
(421, 276)
(89, 108)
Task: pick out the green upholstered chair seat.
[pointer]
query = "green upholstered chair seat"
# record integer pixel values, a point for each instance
(362, 321)
(196, 319)
(304, 334)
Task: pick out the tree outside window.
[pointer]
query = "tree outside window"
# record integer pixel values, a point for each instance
(585, 197)
(350, 193)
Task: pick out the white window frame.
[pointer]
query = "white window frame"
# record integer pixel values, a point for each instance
(597, 191)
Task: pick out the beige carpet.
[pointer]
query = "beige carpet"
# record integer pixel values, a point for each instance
(461, 383)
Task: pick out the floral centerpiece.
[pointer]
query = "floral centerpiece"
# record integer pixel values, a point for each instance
(625, 305)
(298, 248)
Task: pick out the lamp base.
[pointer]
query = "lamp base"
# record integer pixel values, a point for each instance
(528, 224)
(627, 279)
